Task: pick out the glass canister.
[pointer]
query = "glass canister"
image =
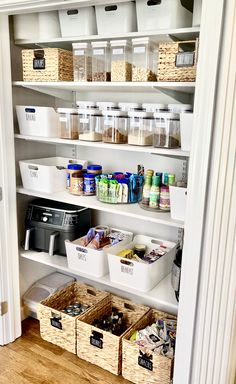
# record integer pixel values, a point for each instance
(144, 54)
(141, 128)
(115, 127)
(82, 62)
(101, 64)
(90, 125)
(130, 106)
(153, 107)
(68, 123)
(121, 67)
(166, 130)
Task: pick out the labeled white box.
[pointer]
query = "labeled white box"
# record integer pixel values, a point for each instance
(78, 22)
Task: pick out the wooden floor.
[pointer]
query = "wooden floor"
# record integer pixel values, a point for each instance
(32, 360)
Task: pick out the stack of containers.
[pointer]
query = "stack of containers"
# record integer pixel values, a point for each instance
(144, 54)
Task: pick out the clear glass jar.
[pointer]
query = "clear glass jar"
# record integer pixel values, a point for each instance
(115, 127)
(167, 130)
(90, 124)
(121, 67)
(106, 105)
(130, 106)
(68, 123)
(144, 54)
(101, 64)
(153, 107)
(82, 62)
(141, 128)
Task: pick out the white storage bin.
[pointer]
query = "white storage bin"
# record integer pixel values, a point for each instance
(197, 12)
(49, 27)
(154, 15)
(186, 130)
(46, 175)
(178, 199)
(78, 22)
(37, 121)
(138, 275)
(116, 18)
(91, 261)
(19, 23)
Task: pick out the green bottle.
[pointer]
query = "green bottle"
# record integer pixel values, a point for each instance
(154, 192)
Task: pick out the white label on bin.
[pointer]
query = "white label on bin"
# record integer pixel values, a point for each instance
(98, 52)
(135, 124)
(108, 121)
(139, 49)
(79, 52)
(30, 117)
(118, 51)
(82, 256)
(63, 119)
(128, 270)
(34, 174)
(84, 120)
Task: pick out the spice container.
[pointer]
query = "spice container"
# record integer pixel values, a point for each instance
(167, 130)
(106, 105)
(115, 127)
(72, 169)
(121, 67)
(82, 62)
(141, 128)
(76, 183)
(127, 107)
(153, 107)
(143, 54)
(91, 124)
(101, 65)
(89, 184)
(68, 123)
(94, 169)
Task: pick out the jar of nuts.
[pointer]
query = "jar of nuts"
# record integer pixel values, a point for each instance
(144, 54)
(101, 64)
(82, 62)
(121, 67)
(115, 128)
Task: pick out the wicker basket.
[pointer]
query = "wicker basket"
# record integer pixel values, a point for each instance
(100, 347)
(58, 327)
(158, 369)
(49, 64)
(178, 61)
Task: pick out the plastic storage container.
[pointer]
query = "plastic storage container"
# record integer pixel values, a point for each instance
(46, 175)
(19, 23)
(180, 108)
(78, 22)
(166, 130)
(101, 65)
(116, 18)
(91, 261)
(197, 12)
(186, 130)
(154, 15)
(138, 275)
(141, 128)
(178, 200)
(127, 107)
(69, 123)
(90, 125)
(82, 62)
(144, 54)
(115, 127)
(37, 121)
(153, 107)
(121, 67)
(49, 27)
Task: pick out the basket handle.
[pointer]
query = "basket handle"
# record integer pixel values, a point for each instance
(129, 306)
(144, 360)
(91, 292)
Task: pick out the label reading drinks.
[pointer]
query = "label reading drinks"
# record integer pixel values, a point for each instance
(79, 52)
(139, 49)
(145, 363)
(98, 52)
(118, 51)
(96, 342)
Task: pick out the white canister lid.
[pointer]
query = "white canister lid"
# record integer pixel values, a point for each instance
(85, 104)
(120, 43)
(141, 40)
(112, 113)
(99, 44)
(72, 111)
(129, 106)
(91, 112)
(106, 105)
(80, 45)
(143, 114)
(166, 115)
(153, 107)
(178, 108)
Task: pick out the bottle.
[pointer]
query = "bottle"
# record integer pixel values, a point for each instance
(154, 193)
(165, 198)
(176, 272)
(171, 179)
(146, 190)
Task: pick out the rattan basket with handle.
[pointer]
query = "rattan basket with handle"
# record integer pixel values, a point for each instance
(98, 346)
(60, 328)
(49, 64)
(154, 368)
(178, 61)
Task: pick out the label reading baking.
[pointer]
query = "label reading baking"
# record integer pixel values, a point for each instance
(81, 256)
(139, 49)
(98, 52)
(39, 63)
(127, 270)
(30, 117)
(145, 362)
(118, 51)
(84, 120)
(79, 52)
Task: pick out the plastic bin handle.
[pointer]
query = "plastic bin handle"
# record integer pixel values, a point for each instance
(72, 12)
(150, 3)
(33, 167)
(127, 262)
(109, 8)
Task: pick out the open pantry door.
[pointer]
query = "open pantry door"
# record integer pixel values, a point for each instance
(10, 324)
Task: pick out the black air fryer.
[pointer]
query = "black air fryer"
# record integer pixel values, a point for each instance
(49, 223)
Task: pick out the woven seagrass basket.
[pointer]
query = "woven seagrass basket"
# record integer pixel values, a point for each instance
(152, 368)
(49, 64)
(60, 328)
(178, 61)
(98, 346)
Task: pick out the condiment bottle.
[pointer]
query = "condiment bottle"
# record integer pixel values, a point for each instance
(76, 183)
(165, 198)
(155, 192)
(140, 250)
(72, 168)
(89, 184)
(146, 190)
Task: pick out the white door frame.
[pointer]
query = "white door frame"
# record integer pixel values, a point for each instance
(10, 324)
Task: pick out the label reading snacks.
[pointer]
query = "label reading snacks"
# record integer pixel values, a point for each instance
(96, 339)
(39, 63)
(145, 362)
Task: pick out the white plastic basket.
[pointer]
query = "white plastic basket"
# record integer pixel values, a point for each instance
(178, 200)
(153, 15)
(186, 130)
(78, 22)
(49, 27)
(19, 26)
(46, 175)
(197, 11)
(116, 18)
(138, 275)
(37, 121)
(91, 261)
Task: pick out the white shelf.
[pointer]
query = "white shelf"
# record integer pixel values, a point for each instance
(164, 35)
(162, 296)
(130, 210)
(101, 145)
